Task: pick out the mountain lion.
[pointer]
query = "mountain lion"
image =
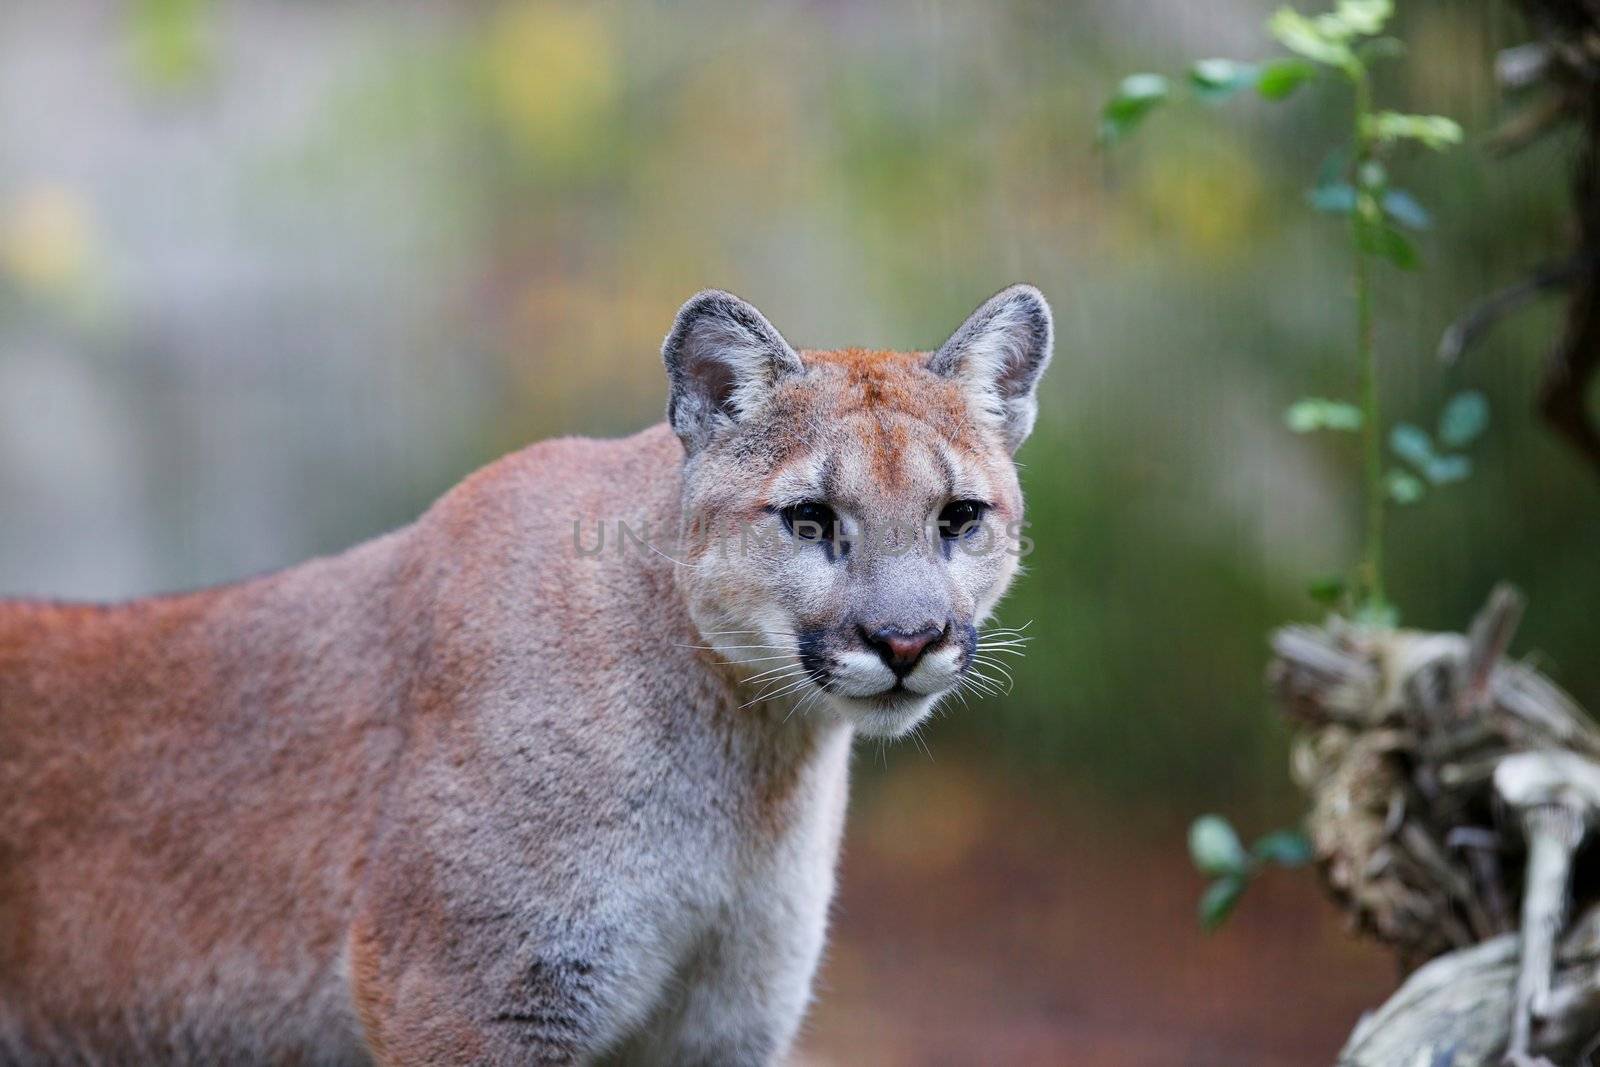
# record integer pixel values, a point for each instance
(482, 791)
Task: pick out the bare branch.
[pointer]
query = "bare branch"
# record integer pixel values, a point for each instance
(1478, 319)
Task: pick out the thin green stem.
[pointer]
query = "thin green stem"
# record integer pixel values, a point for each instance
(1371, 571)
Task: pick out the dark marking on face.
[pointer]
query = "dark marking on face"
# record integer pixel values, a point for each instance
(947, 470)
(964, 636)
(814, 657)
(828, 478)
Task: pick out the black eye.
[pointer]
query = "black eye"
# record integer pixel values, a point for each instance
(811, 521)
(960, 518)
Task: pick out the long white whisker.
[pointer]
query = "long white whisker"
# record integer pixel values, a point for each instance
(716, 648)
(730, 633)
(774, 680)
(780, 687)
(966, 685)
(991, 679)
(669, 559)
(802, 705)
(994, 664)
(779, 671)
(984, 684)
(783, 690)
(771, 685)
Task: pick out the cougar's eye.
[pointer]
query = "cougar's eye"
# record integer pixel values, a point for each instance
(960, 518)
(811, 521)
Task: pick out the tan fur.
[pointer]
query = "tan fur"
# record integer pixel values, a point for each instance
(460, 794)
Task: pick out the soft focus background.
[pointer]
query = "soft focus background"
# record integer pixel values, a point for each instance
(273, 275)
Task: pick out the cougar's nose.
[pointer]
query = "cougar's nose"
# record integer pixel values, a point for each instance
(900, 650)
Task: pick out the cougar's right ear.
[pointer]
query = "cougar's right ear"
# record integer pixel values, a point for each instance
(999, 354)
(723, 358)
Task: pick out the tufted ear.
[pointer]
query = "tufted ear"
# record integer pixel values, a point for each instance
(999, 354)
(723, 358)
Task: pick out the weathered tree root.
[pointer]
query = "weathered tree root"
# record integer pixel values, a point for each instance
(1457, 1009)
(1451, 790)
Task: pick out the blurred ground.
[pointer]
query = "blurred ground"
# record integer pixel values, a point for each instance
(979, 922)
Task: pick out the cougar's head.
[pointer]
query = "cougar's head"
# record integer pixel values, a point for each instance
(851, 517)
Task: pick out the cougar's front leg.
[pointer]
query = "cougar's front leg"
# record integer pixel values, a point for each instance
(745, 992)
(440, 982)
(446, 1000)
(743, 1011)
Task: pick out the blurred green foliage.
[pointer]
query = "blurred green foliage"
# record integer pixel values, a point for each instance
(1217, 853)
(1352, 182)
(170, 41)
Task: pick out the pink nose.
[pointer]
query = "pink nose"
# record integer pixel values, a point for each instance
(899, 649)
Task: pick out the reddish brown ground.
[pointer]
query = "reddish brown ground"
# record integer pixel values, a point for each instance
(976, 925)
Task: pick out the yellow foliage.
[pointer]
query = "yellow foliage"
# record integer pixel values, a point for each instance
(552, 75)
(45, 238)
(1208, 197)
(580, 343)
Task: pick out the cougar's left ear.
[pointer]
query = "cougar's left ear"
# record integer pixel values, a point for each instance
(1000, 354)
(723, 358)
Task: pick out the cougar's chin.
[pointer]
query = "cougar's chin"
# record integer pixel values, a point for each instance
(888, 714)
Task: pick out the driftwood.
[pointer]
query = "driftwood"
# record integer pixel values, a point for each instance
(1451, 793)
(1454, 1010)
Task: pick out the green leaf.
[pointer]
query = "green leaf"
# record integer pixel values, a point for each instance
(1364, 17)
(1216, 848)
(1313, 413)
(1328, 590)
(1280, 78)
(1286, 848)
(1319, 41)
(1434, 131)
(1447, 470)
(1219, 900)
(1464, 419)
(1338, 198)
(1403, 487)
(1402, 208)
(1378, 239)
(1134, 99)
(1216, 79)
(1412, 444)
